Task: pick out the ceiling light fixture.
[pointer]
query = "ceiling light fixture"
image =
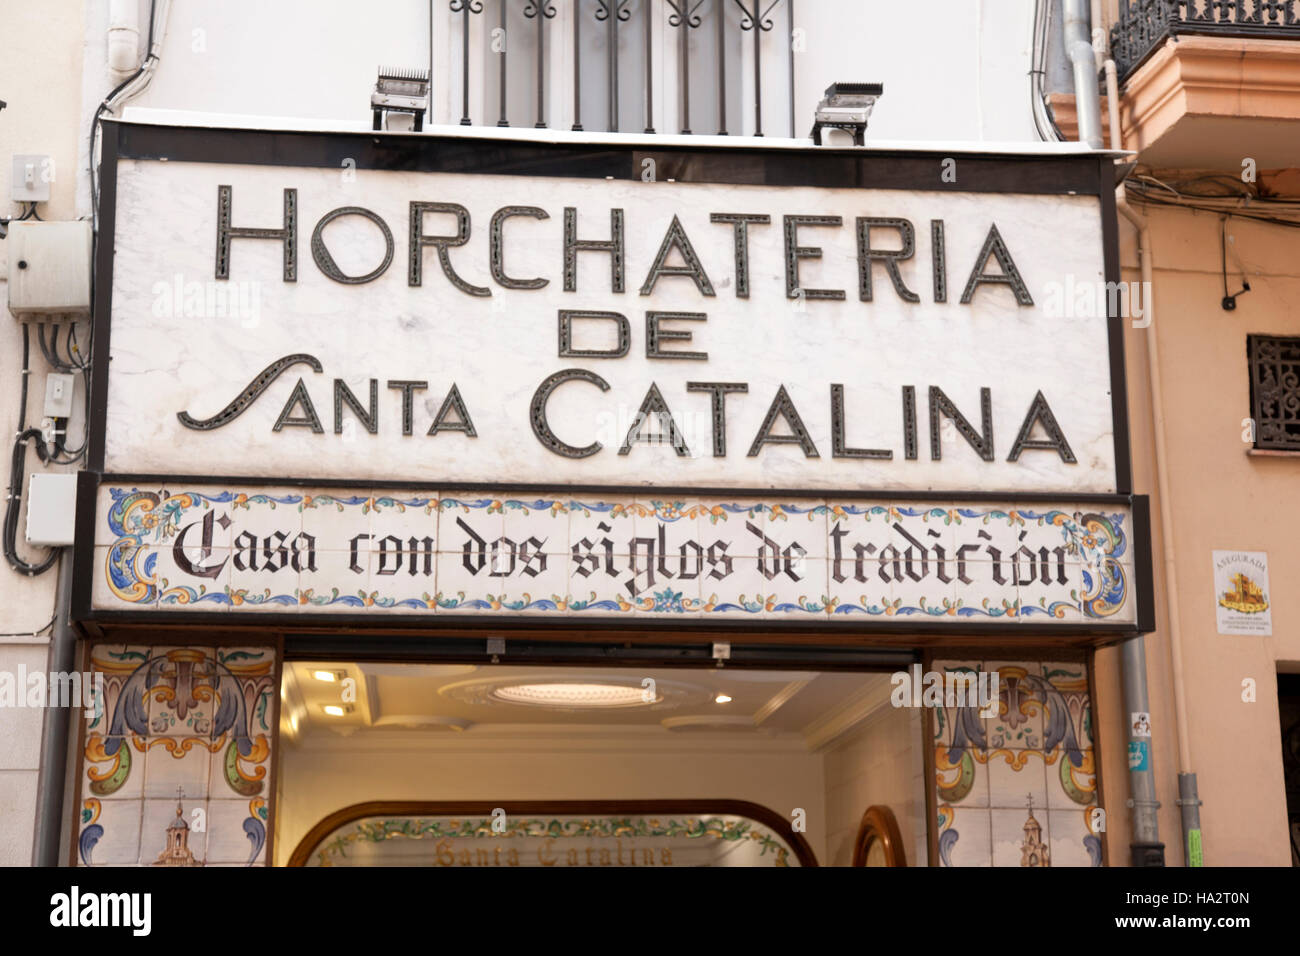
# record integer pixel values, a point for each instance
(327, 676)
(722, 699)
(334, 710)
(573, 694)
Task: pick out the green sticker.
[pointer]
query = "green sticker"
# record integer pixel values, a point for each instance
(1194, 855)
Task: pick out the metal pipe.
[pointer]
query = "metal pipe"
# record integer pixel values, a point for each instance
(649, 71)
(720, 10)
(504, 51)
(1112, 105)
(1083, 59)
(464, 65)
(789, 29)
(577, 67)
(1144, 845)
(429, 107)
(612, 51)
(51, 780)
(684, 53)
(758, 70)
(541, 66)
(1189, 802)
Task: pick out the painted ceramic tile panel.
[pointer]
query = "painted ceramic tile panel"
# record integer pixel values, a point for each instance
(429, 552)
(1019, 766)
(181, 730)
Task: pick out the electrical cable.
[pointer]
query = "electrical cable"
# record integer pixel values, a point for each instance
(1044, 123)
(17, 466)
(1229, 301)
(150, 60)
(35, 633)
(1219, 193)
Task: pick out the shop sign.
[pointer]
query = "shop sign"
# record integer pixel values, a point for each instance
(436, 554)
(499, 841)
(274, 321)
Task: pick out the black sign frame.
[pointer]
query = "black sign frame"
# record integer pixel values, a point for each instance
(746, 163)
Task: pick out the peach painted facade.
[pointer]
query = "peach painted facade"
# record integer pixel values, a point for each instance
(1199, 106)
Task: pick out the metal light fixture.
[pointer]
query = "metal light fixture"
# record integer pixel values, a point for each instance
(400, 91)
(846, 106)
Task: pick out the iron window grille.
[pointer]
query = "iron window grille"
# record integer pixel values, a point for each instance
(1275, 391)
(667, 66)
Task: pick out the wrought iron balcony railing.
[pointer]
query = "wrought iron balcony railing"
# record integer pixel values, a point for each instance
(600, 64)
(1145, 24)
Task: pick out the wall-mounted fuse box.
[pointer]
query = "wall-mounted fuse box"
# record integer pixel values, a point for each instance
(51, 510)
(49, 269)
(31, 178)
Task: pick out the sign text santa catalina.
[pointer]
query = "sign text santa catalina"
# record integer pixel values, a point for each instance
(388, 325)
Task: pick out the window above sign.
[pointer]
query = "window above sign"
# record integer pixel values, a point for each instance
(632, 66)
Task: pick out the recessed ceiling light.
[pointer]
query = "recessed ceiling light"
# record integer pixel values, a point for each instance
(574, 694)
(327, 676)
(334, 710)
(722, 699)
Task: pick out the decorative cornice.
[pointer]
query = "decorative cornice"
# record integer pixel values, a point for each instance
(861, 707)
(780, 699)
(1210, 76)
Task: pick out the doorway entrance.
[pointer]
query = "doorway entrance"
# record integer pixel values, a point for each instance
(459, 764)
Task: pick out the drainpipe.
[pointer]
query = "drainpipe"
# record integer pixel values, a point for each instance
(52, 778)
(1078, 48)
(123, 36)
(1189, 802)
(1145, 846)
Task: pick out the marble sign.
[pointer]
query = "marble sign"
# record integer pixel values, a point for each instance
(479, 328)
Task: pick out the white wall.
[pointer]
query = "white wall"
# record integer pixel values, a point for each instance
(952, 69)
(879, 764)
(41, 53)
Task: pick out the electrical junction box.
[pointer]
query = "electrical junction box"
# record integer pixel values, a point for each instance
(49, 269)
(31, 180)
(51, 510)
(58, 395)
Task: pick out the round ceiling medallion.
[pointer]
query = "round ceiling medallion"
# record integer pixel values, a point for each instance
(575, 694)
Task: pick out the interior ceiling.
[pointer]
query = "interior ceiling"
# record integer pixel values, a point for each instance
(460, 698)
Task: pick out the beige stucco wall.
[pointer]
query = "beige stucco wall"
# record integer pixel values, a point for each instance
(1222, 499)
(43, 92)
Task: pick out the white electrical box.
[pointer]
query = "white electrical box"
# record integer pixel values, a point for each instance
(49, 269)
(51, 510)
(32, 175)
(58, 395)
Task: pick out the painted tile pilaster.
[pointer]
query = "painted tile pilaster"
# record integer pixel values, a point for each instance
(1018, 788)
(176, 764)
